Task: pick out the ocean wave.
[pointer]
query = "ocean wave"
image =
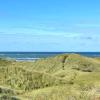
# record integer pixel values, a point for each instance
(26, 59)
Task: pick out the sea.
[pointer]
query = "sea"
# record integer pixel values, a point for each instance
(31, 56)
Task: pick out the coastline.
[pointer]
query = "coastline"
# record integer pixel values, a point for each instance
(50, 78)
(31, 56)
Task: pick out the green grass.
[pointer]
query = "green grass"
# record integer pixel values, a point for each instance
(63, 77)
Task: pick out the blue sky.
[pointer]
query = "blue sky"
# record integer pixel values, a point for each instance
(49, 25)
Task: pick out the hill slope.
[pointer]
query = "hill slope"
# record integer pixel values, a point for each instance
(66, 77)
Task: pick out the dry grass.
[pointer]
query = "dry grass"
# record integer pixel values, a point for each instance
(63, 77)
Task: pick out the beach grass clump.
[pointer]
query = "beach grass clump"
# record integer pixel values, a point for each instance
(20, 78)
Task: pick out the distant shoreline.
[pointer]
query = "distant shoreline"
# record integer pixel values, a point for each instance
(31, 56)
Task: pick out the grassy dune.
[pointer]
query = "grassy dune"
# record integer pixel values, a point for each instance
(63, 77)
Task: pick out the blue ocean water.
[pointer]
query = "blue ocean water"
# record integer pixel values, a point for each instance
(20, 56)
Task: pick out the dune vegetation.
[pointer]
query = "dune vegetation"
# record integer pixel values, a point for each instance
(62, 77)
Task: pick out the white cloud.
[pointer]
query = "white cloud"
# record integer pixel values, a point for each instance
(89, 25)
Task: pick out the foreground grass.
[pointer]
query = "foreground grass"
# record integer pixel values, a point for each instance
(63, 77)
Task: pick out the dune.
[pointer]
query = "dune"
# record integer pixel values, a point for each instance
(62, 77)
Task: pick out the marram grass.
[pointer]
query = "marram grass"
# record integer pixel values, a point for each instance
(63, 77)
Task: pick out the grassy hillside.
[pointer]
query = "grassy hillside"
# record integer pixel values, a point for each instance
(63, 77)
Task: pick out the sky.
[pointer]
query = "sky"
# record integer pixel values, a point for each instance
(50, 25)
